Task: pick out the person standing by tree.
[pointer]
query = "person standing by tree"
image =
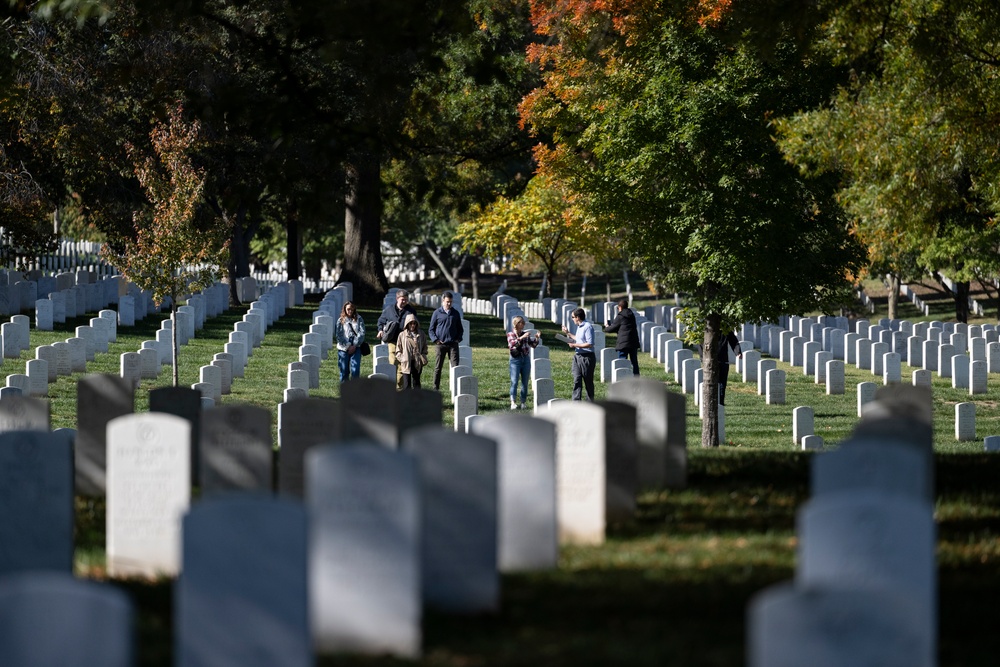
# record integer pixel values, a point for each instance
(583, 359)
(390, 325)
(520, 344)
(350, 334)
(628, 335)
(411, 352)
(722, 360)
(446, 333)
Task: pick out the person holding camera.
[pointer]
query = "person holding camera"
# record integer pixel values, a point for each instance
(520, 343)
(390, 325)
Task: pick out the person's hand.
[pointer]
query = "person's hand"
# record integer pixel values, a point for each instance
(565, 330)
(379, 335)
(350, 349)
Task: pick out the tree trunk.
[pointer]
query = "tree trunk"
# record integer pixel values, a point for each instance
(710, 381)
(449, 274)
(294, 246)
(174, 347)
(961, 294)
(239, 250)
(363, 266)
(893, 294)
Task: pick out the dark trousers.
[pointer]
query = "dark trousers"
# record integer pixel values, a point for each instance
(411, 380)
(444, 350)
(633, 356)
(723, 379)
(583, 376)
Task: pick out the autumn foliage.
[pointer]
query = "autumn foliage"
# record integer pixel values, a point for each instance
(170, 255)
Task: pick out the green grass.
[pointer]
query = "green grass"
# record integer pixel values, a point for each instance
(671, 586)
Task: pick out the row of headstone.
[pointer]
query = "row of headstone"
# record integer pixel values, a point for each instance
(865, 586)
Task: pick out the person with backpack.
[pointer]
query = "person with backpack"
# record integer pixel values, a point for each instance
(390, 325)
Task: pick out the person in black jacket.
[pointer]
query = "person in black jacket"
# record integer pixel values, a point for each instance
(395, 313)
(722, 360)
(628, 335)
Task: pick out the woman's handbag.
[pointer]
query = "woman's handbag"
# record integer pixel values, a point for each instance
(366, 349)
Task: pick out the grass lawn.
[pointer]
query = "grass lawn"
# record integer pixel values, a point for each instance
(668, 588)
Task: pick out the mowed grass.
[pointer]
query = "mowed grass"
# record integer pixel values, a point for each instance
(669, 587)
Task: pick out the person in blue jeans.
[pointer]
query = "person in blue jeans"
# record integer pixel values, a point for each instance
(520, 343)
(350, 330)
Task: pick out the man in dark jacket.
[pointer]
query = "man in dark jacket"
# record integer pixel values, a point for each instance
(445, 333)
(722, 360)
(628, 335)
(395, 314)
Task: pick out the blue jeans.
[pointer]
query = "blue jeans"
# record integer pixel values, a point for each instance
(355, 363)
(631, 355)
(520, 367)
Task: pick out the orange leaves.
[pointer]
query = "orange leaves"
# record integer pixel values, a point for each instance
(711, 12)
(170, 254)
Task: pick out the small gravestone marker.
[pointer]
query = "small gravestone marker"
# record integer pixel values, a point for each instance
(23, 413)
(364, 549)
(36, 506)
(580, 473)
(526, 462)
(965, 421)
(303, 424)
(789, 626)
(763, 366)
(183, 402)
(241, 600)
(874, 540)
(49, 618)
(775, 387)
(149, 489)
(236, 449)
(458, 475)
(866, 394)
(802, 423)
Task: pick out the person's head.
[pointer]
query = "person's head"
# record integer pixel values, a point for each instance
(622, 304)
(517, 323)
(402, 298)
(579, 315)
(446, 299)
(348, 312)
(412, 323)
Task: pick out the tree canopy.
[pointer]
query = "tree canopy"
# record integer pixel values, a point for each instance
(661, 115)
(913, 134)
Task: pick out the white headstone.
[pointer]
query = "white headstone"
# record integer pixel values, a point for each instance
(148, 490)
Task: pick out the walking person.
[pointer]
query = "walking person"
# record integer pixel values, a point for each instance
(411, 352)
(583, 357)
(722, 361)
(520, 343)
(446, 333)
(390, 325)
(628, 334)
(350, 335)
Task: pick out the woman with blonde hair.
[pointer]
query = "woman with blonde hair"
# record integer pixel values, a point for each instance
(350, 330)
(520, 343)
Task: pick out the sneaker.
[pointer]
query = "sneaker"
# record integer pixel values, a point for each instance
(522, 406)
(513, 405)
